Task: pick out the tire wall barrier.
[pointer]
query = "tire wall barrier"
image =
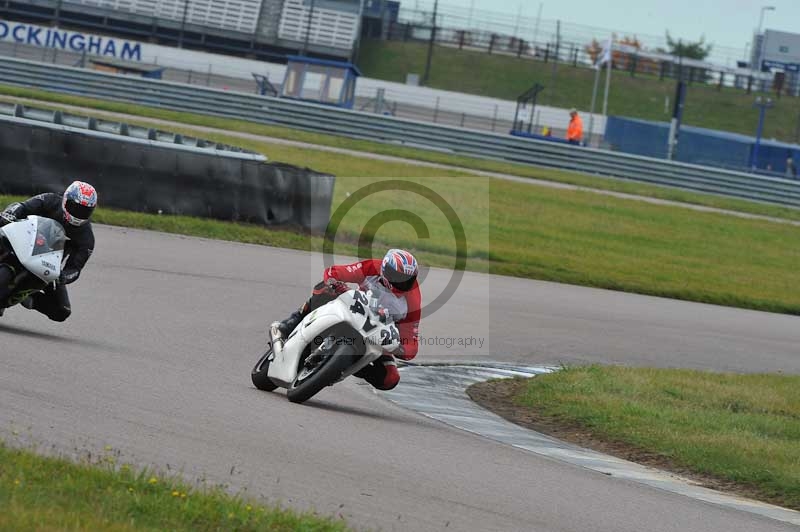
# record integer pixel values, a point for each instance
(159, 177)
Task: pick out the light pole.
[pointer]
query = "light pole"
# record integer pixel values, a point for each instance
(761, 17)
(763, 104)
(308, 29)
(183, 22)
(57, 13)
(758, 34)
(427, 73)
(357, 43)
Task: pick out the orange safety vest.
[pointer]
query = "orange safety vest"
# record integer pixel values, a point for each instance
(575, 129)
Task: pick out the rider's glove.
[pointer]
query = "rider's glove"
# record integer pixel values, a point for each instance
(68, 276)
(336, 286)
(7, 217)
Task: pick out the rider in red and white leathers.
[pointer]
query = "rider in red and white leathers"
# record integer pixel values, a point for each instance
(394, 281)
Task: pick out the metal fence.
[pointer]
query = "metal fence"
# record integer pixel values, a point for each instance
(324, 119)
(120, 131)
(397, 100)
(372, 95)
(578, 46)
(537, 32)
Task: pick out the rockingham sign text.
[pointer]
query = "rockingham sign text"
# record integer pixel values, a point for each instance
(72, 41)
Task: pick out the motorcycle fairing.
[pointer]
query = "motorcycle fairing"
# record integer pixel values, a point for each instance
(38, 244)
(285, 365)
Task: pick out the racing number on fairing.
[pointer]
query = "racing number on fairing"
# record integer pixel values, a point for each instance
(387, 337)
(358, 306)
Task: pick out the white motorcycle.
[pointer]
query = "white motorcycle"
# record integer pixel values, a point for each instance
(333, 342)
(31, 252)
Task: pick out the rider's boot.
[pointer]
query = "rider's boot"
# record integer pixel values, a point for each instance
(322, 293)
(282, 329)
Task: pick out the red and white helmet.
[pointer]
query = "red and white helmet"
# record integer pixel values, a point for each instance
(78, 203)
(399, 268)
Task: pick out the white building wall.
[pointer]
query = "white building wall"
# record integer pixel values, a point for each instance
(781, 46)
(327, 27)
(237, 15)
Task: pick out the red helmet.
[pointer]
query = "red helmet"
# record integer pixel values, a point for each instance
(78, 203)
(399, 268)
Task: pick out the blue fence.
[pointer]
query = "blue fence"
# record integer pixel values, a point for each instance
(701, 146)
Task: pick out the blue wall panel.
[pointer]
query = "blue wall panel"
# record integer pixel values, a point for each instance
(697, 145)
(637, 136)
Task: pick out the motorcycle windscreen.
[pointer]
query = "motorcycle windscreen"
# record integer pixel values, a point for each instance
(50, 237)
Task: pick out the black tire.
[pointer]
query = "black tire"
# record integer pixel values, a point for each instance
(329, 372)
(259, 373)
(6, 277)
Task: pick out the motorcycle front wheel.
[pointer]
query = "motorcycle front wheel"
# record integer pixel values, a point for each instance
(328, 371)
(6, 278)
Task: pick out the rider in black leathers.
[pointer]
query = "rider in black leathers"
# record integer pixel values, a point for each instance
(72, 209)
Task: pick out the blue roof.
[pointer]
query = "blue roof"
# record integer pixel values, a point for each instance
(323, 62)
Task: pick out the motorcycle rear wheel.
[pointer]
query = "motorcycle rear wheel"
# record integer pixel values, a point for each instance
(328, 372)
(259, 373)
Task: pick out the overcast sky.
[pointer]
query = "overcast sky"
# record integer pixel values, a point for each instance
(729, 23)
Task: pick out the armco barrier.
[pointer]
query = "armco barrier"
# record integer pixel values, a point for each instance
(355, 124)
(134, 172)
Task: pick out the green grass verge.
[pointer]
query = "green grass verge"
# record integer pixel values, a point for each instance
(277, 152)
(738, 428)
(641, 96)
(43, 493)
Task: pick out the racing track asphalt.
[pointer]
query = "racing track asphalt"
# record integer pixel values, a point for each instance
(155, 362)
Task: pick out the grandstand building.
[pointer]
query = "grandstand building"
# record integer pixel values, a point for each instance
(263, 29)
(779, 52)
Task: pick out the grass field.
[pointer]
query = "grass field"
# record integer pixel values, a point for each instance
(640, 97)
(738, 430)
(38, 493)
